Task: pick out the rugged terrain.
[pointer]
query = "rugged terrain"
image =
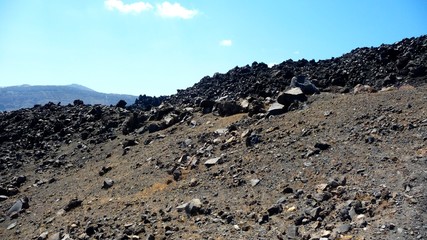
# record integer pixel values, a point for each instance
(230, 158)
(26, 96)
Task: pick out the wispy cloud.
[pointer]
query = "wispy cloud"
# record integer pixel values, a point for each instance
(175, 10)
(136, 7)
(226, 43)
(296, 52)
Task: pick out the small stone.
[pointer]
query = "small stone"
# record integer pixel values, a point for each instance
(11, 226)
(275, 209)
(264, 219)
(108, 183)
(281, 200)
(324, 196)
(322, 145)
(321, 187)
(292, 232)
(288, 190)
(325, 233)
(313, 213)
(252, 140)
(49, 220)
(276, 109)
(213, 161)
(104, 170)
(246, 228)
(73, 204)
(221, 131)
(56, 236)
(60, 212)
(193, 182)
(291, 209)
(246, 133)
(90, 230)
(176, 174)
(19, 205)
(66, 237)
(344, 228)
(254, 182)
(43, 236)
(193, 206)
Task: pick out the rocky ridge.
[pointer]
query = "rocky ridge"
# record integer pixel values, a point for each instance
(221, 160)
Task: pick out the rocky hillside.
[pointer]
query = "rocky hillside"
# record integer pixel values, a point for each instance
(297, 155)
(386, 65)
(26, 96)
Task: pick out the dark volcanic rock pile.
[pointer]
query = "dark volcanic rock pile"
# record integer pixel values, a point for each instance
(405, 61)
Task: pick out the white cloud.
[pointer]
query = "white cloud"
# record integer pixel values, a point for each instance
(136, 7)
(226, 43)
(296, 52)
(167, 9)
(270, 65)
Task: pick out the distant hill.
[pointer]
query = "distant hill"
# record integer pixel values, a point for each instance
(25, 96)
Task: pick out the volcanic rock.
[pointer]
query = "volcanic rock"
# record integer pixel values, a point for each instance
(290, 96)
(74, 203)
(306, 86)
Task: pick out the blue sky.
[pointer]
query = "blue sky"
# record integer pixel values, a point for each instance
(155, 47)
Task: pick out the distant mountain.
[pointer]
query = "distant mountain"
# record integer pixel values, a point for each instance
(25, 96)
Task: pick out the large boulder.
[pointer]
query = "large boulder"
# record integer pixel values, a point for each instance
(290, 96)
(228, 108)
(306, 86)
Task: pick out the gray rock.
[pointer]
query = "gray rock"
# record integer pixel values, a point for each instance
(306, 86)
(43, 236)
(344, 228)
(288, 97)
(313, 213)
(213, 161)
(56, 236)
(3, 198)
(254, 182)
(323, 196)
(108, 183)
(281, 200)
(252, 140)
(276, 109)
(12, 225)
(191, 208)
(221, 131)
(18, 206)
(176, 174)
(292, 232)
